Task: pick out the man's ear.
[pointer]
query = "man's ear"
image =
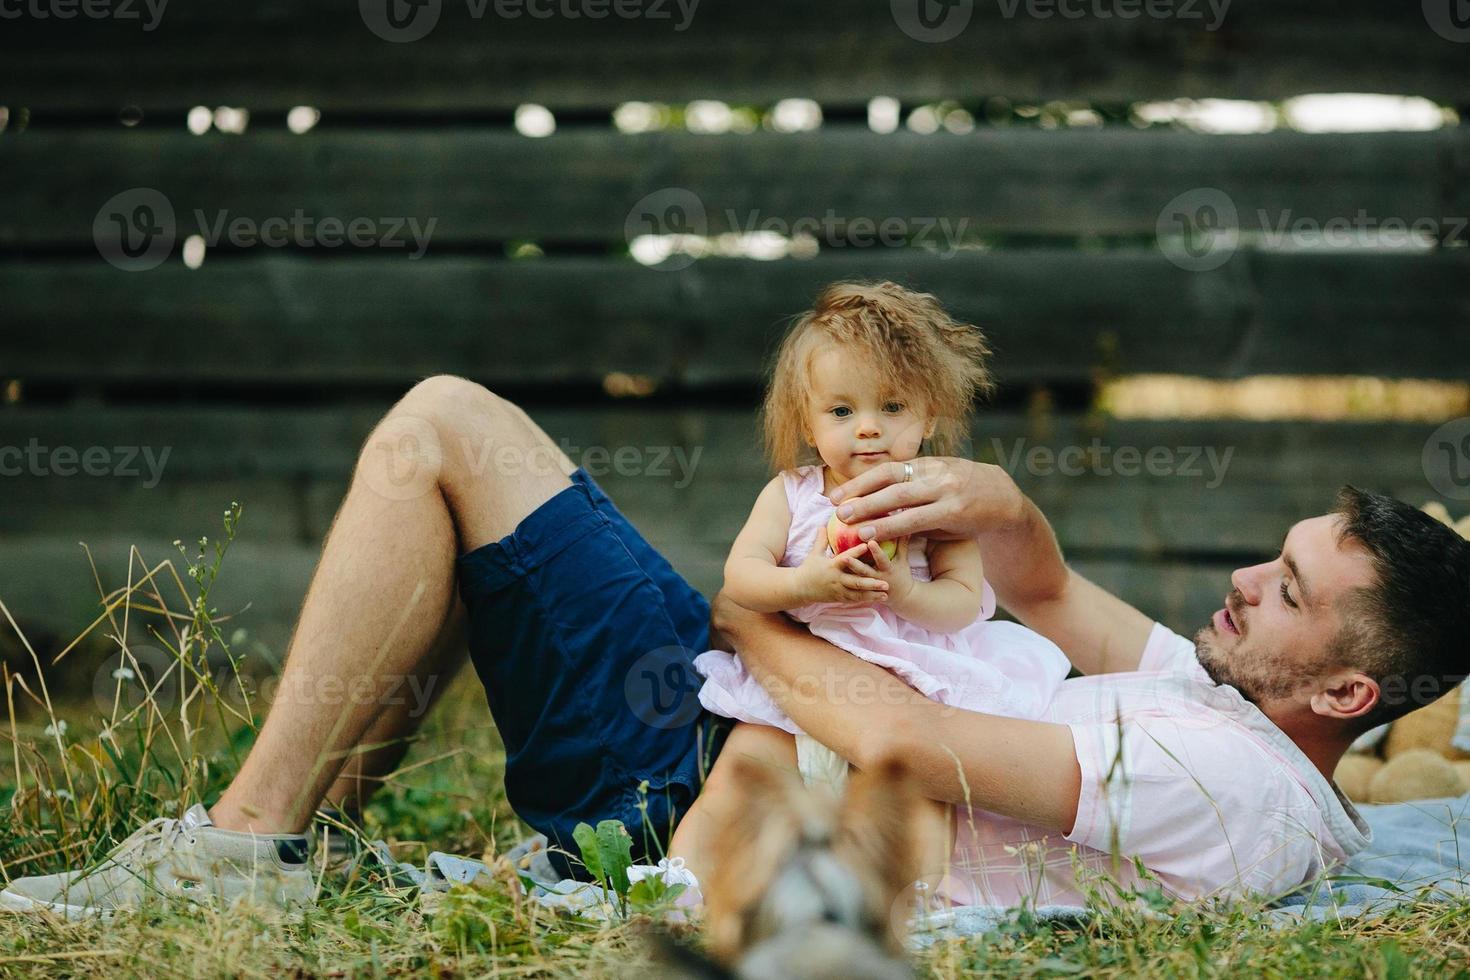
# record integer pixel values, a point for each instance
(1347, 696)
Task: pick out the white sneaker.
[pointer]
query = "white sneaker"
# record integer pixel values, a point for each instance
(188, 858)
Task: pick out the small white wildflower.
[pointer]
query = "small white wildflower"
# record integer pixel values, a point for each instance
(56, 728)
(64, 794)
(123, 674)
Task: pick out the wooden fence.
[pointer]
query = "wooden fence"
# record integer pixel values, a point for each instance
(260, 371)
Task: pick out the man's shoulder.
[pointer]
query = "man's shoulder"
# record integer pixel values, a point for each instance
(1166, 650)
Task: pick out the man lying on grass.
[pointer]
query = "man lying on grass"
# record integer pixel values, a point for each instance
(1208, 760)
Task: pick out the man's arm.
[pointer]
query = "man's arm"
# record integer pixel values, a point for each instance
(1022, 769)
(959, 498)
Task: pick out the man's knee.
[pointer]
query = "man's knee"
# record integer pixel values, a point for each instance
(461, 421)
(447, 400)
(423, 439)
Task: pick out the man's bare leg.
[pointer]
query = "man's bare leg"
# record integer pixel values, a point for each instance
(431, 483)
(388, 740)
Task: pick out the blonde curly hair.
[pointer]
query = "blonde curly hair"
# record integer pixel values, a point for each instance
(921, 348)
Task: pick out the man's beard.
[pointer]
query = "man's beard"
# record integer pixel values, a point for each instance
(1258, 677)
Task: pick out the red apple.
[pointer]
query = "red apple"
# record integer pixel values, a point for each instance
(844, 537)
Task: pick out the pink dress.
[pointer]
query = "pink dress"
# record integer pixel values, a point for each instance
(995, 667)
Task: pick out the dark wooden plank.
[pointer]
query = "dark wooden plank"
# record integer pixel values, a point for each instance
(219, 442)
(1181, 596)
(478, 186)
(1165, 540)
(48, 585)
(127, 498)
(1149, 489)
(1052, 315)
(280, 53)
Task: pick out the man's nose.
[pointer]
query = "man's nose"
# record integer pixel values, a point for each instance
(1248, 582)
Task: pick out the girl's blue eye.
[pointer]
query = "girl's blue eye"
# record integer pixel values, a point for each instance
(841, 411)
(893, 408)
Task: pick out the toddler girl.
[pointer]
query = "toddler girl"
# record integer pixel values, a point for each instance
(869, 376)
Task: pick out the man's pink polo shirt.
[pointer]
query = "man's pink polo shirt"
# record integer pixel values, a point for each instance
(1182, 774)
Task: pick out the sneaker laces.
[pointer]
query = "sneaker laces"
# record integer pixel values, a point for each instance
(156, 837)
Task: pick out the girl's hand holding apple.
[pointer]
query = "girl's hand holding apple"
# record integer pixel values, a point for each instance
(893, 568)
(842, 577)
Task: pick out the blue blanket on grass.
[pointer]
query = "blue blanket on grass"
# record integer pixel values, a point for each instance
(1420, 852)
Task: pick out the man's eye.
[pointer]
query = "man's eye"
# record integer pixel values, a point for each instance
(841, 411)
(1286, 596)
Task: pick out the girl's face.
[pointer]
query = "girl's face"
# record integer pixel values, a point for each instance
(855, 420)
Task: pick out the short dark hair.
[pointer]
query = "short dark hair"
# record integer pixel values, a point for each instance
(1410, 631)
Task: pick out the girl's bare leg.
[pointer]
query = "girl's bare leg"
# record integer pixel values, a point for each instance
(721, 798)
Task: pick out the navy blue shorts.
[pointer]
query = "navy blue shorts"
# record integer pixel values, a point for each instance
(584, 638)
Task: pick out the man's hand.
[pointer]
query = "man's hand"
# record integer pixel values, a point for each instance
(959, 498)
(947, 498)
(1022, 769)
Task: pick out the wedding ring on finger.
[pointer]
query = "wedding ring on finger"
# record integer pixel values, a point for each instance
(908, 472)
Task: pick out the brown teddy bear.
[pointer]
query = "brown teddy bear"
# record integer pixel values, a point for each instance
(1424, 754)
